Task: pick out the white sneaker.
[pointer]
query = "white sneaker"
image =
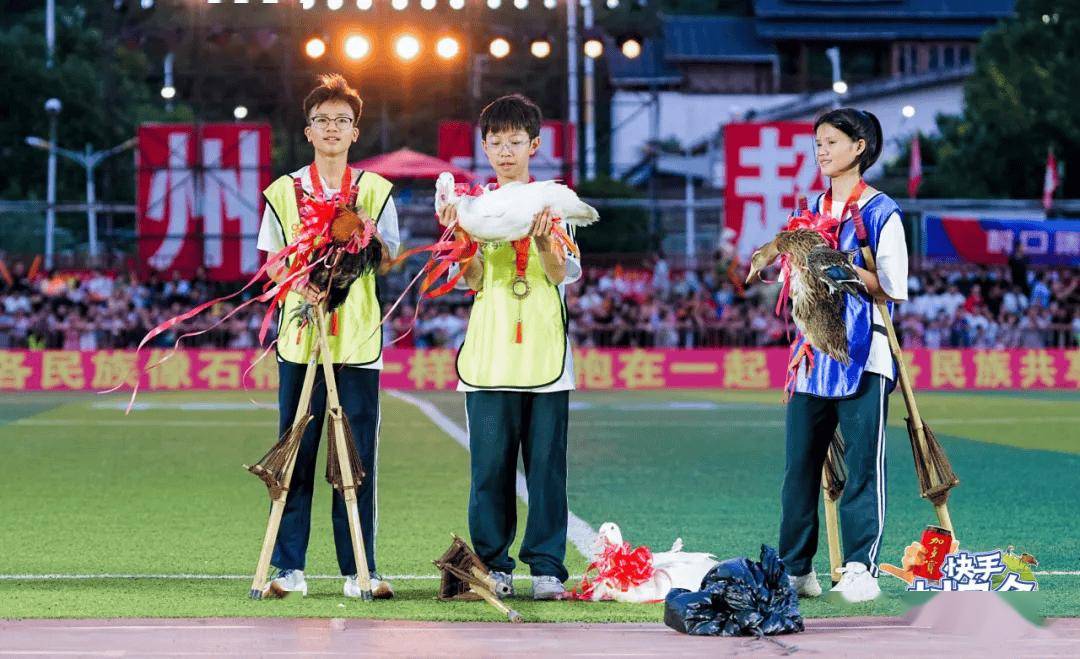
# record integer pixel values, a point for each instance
(380, 589)
(504, 584)
(287, 581)
(807, 585)
(857, 584)
(548, 588)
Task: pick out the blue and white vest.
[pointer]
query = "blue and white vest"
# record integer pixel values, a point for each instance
(829, 378)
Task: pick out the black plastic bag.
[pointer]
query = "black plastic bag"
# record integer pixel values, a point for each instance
(738, 597)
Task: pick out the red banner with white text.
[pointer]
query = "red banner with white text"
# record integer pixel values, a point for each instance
(597, 369)
(766, 166)
(199, 197)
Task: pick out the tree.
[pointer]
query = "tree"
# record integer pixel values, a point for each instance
(102, 86)
(1021, 100)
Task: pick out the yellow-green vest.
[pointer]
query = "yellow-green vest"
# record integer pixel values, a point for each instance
(491, 357)
(358, 340)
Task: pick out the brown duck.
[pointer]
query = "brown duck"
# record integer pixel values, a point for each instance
(819, 276)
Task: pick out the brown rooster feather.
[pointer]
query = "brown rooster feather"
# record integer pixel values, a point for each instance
(343, 268)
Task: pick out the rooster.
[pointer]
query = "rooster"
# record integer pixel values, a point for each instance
(506, 214)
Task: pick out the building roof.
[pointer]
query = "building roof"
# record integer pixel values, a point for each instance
(690, 39)
(896, 9)
(647, 69)
(782, 20)
(714, 39)
(873, 30)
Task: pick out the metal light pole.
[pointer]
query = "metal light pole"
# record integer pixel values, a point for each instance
(89, 159)
(691, 219)
(50, 32)
(590, 96)
(53, 106)
(572, 77)
(838, 84)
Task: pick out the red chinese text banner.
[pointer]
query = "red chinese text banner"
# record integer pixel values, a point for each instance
(766, 166)
(209, 370)
(199, 197)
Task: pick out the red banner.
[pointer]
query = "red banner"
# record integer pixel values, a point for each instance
(766, 165)
(210, 370)
(460, 145)
(199, 197)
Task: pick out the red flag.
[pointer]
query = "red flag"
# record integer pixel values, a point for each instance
(914, 177)
(1050, 180)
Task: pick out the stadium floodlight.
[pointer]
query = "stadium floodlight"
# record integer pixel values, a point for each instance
(315, 48)
(521, 4)
(240, 112)
(363, 5)
(407, 47)
(612, 4)
(447, 47)
(551, 4)
(307, 4)
(594, 48)
(494, 4)
(427, 5)
(357, 47)
(334, 5)
(908, 111)
(400, 5)
(840, 87)
(168, 92)
(540, 48)
(457, 4)
(631, 48)
(499, 47)
(146, 4)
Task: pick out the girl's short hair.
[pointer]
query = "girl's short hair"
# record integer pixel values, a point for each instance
(333, 87)
(858, 125)
(512, 112)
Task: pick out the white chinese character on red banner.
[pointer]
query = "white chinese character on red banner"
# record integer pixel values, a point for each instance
(766, 166)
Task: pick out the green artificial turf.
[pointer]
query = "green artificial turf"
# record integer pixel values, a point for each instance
(88, 491)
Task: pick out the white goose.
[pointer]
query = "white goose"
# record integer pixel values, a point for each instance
(507, 213)
(672, 569)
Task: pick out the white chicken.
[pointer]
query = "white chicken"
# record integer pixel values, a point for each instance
(671, 569)
(507, 213)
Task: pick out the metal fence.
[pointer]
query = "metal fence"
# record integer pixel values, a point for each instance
(670, 221)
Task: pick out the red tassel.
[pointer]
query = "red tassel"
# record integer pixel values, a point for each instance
(518, 338)
(333, 323)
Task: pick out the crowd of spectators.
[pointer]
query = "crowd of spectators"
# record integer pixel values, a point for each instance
(649, 305)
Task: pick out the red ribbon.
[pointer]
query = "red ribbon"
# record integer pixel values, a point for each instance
(619, 566)
(828, 227)
(311, 247)
(317, 186)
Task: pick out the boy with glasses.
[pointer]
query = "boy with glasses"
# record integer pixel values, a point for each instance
(332, 111)
(516, 369)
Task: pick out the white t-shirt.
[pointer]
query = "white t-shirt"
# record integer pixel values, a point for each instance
(272, 239)
(891, 260)
(566, 381)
